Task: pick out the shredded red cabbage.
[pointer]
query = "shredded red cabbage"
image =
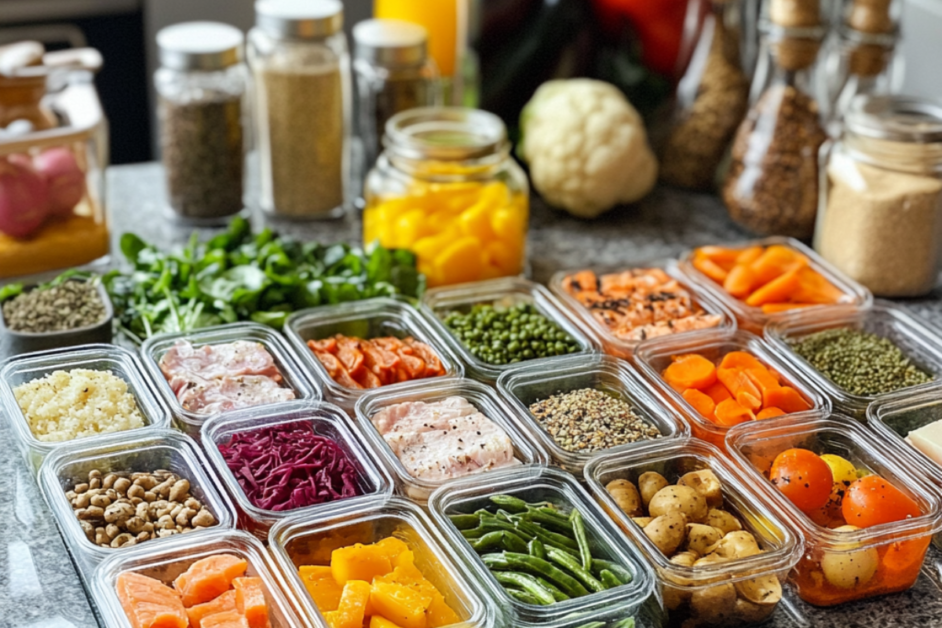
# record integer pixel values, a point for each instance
(289, 466)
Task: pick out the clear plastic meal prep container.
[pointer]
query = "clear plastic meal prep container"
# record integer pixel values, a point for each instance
(918, 340)
(538, 484)
(505, 292)
(710, 594)
(130, 453)
(653, 356)
(899, 548)
(753, 318)
(624, 348)
(370, 318)
(309, 539)
(482, 397)
(190, 422)
(539, 379)
(328, 421)
(168, 560)
(31, 366)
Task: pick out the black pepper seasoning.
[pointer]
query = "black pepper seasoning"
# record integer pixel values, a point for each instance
(69, 305)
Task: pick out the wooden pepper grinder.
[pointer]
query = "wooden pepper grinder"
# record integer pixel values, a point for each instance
(796, 53)
(871, 18)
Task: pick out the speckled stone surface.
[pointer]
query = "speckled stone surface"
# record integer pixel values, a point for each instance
(38, 585)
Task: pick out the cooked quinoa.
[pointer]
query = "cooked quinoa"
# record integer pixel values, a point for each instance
(67, 405)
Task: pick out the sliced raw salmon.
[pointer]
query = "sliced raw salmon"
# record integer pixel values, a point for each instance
(327, 345)
(250, 601)
(226, 619)
(149, 603)
(336, 370)
(225, 602)
(209, 578)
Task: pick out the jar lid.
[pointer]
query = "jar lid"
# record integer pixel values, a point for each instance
(896, 118)
(299, 19)
(390, 43)
(199, 46)
(445, 134)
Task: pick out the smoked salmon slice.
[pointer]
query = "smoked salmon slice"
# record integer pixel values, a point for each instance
(149, 603)
(208, 578)
(250, 601)
(225, 602)
(226, 619)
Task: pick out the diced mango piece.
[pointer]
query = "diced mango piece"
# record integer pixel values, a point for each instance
(459, 263)
(509, 224)
(381, 622)
(411, 227)
(352, 609)
(476, 222)
(508, 257)
(359, 562)
(392, 547)
(439, 613)
(320, 584)
(408, 576)
(401, 604)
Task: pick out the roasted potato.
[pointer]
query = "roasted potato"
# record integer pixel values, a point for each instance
(642, 521)
(762, 590)
(747, 612)
(714, 604)
(667, 532)
(626, 495)
(706, 483)
(700, 537)
(649, 484)
(737, 544)
(679, 499)
(723, 520)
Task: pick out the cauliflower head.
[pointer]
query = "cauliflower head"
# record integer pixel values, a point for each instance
(586, 147)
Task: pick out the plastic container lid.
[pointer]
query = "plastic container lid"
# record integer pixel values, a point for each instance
(199, 46)
(299, 19)
(390, 43)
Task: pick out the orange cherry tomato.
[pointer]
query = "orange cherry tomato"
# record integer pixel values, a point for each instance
(872, 500)
(803, 477)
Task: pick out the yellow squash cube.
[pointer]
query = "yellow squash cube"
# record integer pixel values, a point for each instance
(400, 604)
(359, 562)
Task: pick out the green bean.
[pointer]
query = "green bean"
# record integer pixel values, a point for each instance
(523, 596)
(549, 538)
(550, 511)
(465, 522)
(503, 515)
(528, 583)
(491, 525)
(489, 541)
(495, 561)
(511, 503)
(536, 548)
(594, 624)
(563, 580)
(513, 543)
(609, 579)
(568, 562)
(557, 593)
(578, 528)
(620, 572)
(559, 524)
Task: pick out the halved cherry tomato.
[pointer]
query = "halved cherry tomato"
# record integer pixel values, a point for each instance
(872, 500)
(803, 477)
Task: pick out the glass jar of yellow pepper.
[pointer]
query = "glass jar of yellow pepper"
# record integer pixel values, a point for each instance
(447, 189)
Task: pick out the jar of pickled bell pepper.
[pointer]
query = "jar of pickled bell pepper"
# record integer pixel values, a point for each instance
(447, 189)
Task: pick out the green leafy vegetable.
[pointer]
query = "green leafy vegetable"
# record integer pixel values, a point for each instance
(238, 276)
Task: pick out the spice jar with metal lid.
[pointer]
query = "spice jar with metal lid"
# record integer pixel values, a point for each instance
(201, 89)
(447, 189)
(299, 59)
(711, 101)
(772, 184)
(393, 74)
(880, 220)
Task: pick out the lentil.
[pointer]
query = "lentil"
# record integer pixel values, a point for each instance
(69, 305)
(860, 362)
(588, 420)
(509, 335)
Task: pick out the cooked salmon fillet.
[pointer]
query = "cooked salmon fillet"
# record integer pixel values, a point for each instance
(149, 603)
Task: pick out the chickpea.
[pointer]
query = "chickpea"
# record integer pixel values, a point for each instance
(109, 481)
(121, 485)
(180, 490)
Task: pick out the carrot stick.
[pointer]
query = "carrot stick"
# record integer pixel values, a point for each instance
(690, 371)
(700, 402)
(765, 381)
(748, 256)
(768, 413)
(788, 399)
(775, 308)
(740, 281)
(710, 268)
(775, 262)
(741, 387)
(730, 413)
(814, 288)
(779, 290)
(720, 255)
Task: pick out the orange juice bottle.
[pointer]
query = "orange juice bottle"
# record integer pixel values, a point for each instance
(442, 20)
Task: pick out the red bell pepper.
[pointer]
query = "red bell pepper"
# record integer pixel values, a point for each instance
(658, 23)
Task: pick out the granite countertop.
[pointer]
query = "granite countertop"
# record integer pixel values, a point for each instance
(39, 587)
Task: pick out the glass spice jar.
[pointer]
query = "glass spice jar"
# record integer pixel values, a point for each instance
(298, 55)
(393, 74)
(447, 189)
(880, 220)
(772, 184)
(201, 89)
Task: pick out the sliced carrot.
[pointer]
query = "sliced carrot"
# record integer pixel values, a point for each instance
(740, 281)
(814, 288)
(710, 268)
(740, 360)
(779, 290)
(700, 402)
(717, 392)
(749, 255)
(730, 413)
(690, 371)
(788, 399)
(775, 262)
(765, 380)
(775, 308)
(740, 387)
(768, 413)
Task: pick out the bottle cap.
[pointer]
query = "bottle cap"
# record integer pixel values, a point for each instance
(390, 43)
(199, 46)
(299, 19)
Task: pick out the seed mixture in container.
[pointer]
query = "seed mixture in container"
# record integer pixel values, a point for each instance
(639, 303)
(860, 362)
(377, 585)
(445, 439)
(588, 420)
(539, 553)
(123, 509)
(289, 466)
(358, 363)
(508, 335)
(66, 405)
(213, 593)
(68, 305)
(220, 378)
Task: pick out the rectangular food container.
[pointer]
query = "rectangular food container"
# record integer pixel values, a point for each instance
(484, 398)
(505, 292)
(623, 348)
(918, 340)
(328, 421)
(190, 422)
(726, 593)
(309, 539)
(371, 318)
(753, 318)
(537, 484)
(533, 381)
(168, 560)
(28, 367)
(653, 356)
(162, 449)
(890, 555)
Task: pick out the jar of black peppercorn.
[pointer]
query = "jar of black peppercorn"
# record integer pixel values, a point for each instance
(201, 89)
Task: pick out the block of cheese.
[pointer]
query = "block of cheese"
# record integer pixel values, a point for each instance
(928, 440)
